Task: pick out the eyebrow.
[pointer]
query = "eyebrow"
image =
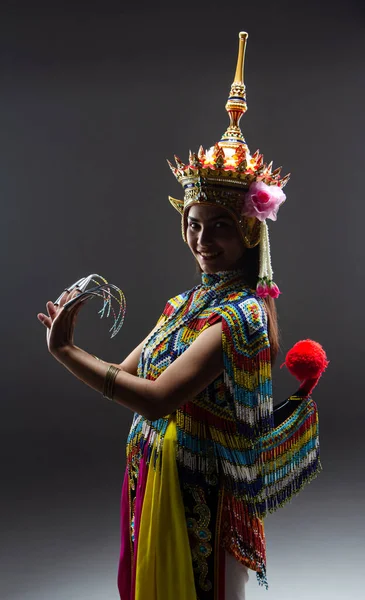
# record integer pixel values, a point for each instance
(222, 216)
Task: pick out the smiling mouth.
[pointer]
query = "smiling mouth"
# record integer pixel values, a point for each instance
(209, 255)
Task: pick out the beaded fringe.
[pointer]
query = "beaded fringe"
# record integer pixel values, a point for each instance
(290, 457)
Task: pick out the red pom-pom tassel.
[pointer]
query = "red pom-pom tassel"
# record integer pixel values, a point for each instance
(306, 360)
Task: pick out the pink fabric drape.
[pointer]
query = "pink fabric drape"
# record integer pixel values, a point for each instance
(125, 559)
(127, 563)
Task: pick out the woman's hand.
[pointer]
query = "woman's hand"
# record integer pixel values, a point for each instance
(60, 322)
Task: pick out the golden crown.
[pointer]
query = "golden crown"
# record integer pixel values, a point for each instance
(227, 164)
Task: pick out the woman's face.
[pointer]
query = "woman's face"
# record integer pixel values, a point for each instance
(213, 238)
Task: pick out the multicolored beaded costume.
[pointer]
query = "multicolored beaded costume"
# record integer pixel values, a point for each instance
(200, 481)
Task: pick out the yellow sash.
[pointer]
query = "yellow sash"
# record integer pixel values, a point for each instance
(164, 565)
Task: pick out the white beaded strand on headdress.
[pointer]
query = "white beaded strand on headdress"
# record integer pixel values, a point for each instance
(266, 285)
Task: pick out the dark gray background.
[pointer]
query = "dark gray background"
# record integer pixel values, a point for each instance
(93, 100)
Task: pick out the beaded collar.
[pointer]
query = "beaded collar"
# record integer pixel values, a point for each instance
(224, 279)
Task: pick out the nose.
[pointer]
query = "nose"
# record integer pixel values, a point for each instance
(204, 237)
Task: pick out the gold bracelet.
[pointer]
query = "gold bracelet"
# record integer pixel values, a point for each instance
(109, 380)
(97, 358)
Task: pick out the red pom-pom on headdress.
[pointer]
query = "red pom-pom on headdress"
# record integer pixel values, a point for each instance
(306, 360)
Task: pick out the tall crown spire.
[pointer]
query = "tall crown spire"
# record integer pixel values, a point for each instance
(236, 104)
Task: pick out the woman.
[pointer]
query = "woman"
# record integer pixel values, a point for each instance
(205, 459)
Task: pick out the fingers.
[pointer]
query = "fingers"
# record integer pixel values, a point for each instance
(74, 300)
(64, 297)
(54, 308)
(52, 312)
(68, 295)
(47, 321)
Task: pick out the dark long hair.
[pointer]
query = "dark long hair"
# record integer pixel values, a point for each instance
(250, 263)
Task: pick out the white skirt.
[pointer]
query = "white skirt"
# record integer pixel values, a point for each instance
(236, 577)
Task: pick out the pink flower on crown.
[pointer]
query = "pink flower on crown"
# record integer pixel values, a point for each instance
(262, 201)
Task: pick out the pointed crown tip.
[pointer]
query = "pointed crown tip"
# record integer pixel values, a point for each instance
(236, 104)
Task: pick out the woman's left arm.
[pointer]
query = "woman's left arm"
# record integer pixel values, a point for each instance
(186, 377)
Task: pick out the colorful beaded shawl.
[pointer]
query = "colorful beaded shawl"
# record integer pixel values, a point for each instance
(228, 451)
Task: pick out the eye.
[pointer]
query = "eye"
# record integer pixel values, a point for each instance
(193, 225)
(220, 224)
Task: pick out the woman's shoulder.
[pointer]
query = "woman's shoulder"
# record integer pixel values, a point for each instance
(244, 306)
